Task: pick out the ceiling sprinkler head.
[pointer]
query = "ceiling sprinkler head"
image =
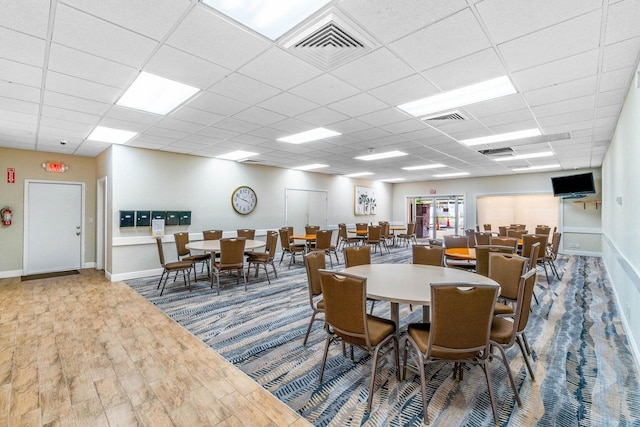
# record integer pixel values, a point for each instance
(63, 142)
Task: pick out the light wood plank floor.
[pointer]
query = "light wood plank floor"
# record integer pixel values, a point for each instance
(81, 351)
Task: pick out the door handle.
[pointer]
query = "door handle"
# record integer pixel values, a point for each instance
(78, 233)
(78, 227)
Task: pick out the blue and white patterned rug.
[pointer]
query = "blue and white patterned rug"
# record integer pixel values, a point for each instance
(585, 373)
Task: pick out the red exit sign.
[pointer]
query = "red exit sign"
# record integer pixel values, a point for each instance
(55, 167)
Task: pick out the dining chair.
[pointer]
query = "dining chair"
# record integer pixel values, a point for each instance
(502, 230)
(265, 258)
(374, 238)
(323, 244)
(231, 258)
(343, 237)
(247, 233)
(461, 316)
(509, 330)
(507, 269)
(311, 230)
(357, 255)
(183, 267)
(410, 235)
(471, 237)
(385, 234)
(483, 238)
(456, 241)
(528, 240)
(182, 239)
(518, 226)
(516, 232)
(288, 247)
(313, 262)
(346, 319)
(552, 256)
(212, 234)
(486, 227)
(427, 255)
(504, 241)
(482, 256)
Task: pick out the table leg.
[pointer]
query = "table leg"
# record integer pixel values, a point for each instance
(395, 316)
(426, 314)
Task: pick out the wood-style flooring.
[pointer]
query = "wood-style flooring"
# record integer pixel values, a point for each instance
(82, 351)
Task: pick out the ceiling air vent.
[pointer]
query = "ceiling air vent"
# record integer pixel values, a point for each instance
(497, 152)
(328, 41)
(448, 116)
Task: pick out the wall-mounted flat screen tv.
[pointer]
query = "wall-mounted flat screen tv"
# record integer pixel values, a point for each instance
(573, 186)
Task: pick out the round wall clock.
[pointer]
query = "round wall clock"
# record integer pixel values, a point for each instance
(244, 200)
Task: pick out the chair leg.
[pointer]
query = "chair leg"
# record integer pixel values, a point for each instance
(487, 375)
(306, 336)
(265, 272)
(161, 277)
(165, 282)
(526, 343)
(372, 383)
(524, 355)
(503, 357)
(275, 272)
(245, 278)
(324, 357)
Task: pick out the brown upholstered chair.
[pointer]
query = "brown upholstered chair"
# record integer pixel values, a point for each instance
(265, 258)
(486, 227)
(323, 244)
(453, 241)
(552, 255)
(184, 254)
(426, 255)
(528, 240)
(288, 247)
(515, 232)
(505, 332)
(504, 241)
(313, 262)
(212, 234)
(347, 320)
(374, 238)
(183, 267)
(461, 316)
(502, 230)
(343, 237)
(231, 258)
(482, 256)
(247, 233)
(471, 237)
(359, 255)
(483, 238)
(410, 236)
(506, 270)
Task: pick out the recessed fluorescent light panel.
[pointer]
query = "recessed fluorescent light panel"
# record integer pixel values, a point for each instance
(271, 18)
(111, 135)
(450, 175)
(532, 168)
(393, 179)
(311, 167)
(378, 156)
(155, 94)
(237, 155)
(422, 167)
(525, 156)
(310, 135)
(353, 175)
(479, 92)
(510, 136)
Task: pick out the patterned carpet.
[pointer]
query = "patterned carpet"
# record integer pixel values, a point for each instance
(585, 373)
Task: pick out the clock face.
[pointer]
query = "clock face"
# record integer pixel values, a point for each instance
(244, 200)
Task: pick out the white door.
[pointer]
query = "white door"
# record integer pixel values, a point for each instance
(53, 226)
(306, 207)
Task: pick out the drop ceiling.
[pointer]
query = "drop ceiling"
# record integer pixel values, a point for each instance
(65, 63)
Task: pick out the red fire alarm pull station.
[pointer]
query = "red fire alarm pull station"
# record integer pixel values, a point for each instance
(11, 175)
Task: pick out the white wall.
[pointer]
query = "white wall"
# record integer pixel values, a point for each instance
(620, 208)
(147, 180)
(578, 225)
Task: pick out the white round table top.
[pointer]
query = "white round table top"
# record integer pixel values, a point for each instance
(214, 245)
(409, 283)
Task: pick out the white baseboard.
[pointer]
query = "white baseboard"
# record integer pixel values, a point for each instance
(134, 275)
(582, 253)
(10, 273)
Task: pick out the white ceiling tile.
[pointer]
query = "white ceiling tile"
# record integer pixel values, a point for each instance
(508, 19)
(566, 106)
(236, 125)
(134, 116)
(514, 116)
(383, 117)
(81, 88)
(563, 70)
(616, 79)
(159, 15)
(608, 111)
(66, 125)
(18, 117)
(280, 69)
(622, 21)
(21, 47)
(84, 32)
(572, 117)
(287, 104)
(26, 16)
(180, 125)
(374, 69)
(404, 90)
(455, 74)
(245, 89)
(217, 133)
(446, 40)
(349, 126)
(59, 134)
(620, 55)
(194, 115)
(19, 106)
(166, 133)
(611, 97)
(322, 116)
(286, 126)
(89, 67)
(568, 38)
(568, 90)
(74, 103)
(405, 127)
(324, 89)
(182, 67)
(218, 104)
(259, 115)
(207, 35)
(358, 105)
(17, 72)
(91, 148)
(496, 106)
(249, 139)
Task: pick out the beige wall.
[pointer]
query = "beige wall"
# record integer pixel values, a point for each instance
(620, 207)
(28, 166)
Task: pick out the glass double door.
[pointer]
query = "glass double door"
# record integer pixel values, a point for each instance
(436, 216)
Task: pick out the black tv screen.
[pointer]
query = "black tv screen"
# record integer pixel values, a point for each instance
(573, 186)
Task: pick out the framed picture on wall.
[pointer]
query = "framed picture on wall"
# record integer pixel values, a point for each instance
(365, 201)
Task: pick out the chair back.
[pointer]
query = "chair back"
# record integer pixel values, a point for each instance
(482, 256)
(373, 234)
(543, 229)
(529, 239)
(323, 239)
(411, 228)
(460, 319)
(517, 233)
(502, 230)
(361, 226)
(486, 227)
(504, 241)
(426, 255)
(232, 251)
(483, 238)
(272, 244)
(181, 240)
(284, 238)
(506, 270)
(359, 255)
(527, 285)
(342, 231)
(518, 226)
(471, 237)
(311, 229)
(345, 297)
(212, 234)
(452, 241)
(247, 233)
(313, 262)
(385, 229)
(555, 244)
(160, 251)
(534, 253)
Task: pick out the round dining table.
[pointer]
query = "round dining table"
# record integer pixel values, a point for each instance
(467, 254)
(410, 283)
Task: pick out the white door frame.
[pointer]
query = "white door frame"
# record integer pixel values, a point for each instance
(25, 253)
(101, 223)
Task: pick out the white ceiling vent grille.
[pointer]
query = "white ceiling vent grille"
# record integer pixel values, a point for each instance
(495, 153)
(328, 41)
(448, 116)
